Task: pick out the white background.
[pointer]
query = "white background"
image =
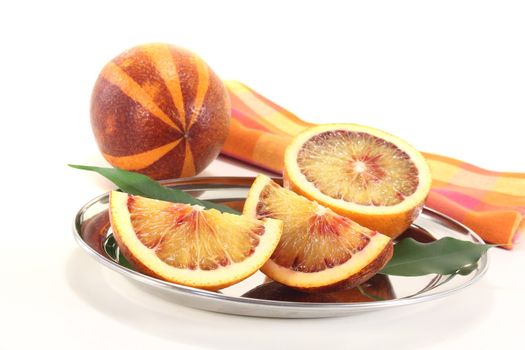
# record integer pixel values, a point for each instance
(448, 76)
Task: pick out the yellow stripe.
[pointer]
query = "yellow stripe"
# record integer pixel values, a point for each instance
(118, 77)
(234, 86)
(163, 60)
(202, 87)
(141, 160)
(461, 177)
(268, 116)
(188, 168)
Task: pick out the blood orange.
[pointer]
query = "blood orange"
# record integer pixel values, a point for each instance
(189, 245)
(159, 110)
(319, 250)
(363, 173)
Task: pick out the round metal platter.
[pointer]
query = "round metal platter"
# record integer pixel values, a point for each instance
(258, 296)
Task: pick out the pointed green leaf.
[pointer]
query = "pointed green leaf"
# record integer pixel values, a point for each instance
(444, 256)
(142, 185)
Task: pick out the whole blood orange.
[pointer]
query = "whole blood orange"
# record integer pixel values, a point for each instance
(319, 250)
(159, 110)
(189, 245)
(366, 174)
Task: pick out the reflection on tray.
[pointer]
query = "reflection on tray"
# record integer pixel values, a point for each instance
(377, 288)
(95, 229)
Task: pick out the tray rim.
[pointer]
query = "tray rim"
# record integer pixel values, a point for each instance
(239, 300)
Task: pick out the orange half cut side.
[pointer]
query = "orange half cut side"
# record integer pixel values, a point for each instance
(366, 174)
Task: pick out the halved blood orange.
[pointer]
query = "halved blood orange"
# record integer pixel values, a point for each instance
(366, 174)
(188, 245)
(319, 250)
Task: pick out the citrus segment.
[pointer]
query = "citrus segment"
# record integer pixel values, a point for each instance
(363, 173)
(190, 245)
(319, 249)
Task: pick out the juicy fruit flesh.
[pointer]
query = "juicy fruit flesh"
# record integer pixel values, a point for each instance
(314, 238)
(188, 237)
(358, 167)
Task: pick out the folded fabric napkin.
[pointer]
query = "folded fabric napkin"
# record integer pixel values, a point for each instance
(491, 203)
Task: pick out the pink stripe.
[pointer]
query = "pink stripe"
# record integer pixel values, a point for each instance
(460, 198)
(473, 203)
(246, 121)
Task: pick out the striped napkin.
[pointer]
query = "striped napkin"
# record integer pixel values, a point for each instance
(491, 203)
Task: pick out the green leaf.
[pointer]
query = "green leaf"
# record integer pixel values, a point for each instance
(444, 256)
(142, 185)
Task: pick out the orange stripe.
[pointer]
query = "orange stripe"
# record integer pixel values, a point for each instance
(251, 115)
(269, 149)
(241, 112)
(188, 168)
(484, 196)
(232, 85)
(241, 140)
(263, 113)
(141, 160)
(470, 167)
(255, 147)
(202, 87)
(165, 65)
(115, 75)
(460, 176)
(247, 122)
(497, 226)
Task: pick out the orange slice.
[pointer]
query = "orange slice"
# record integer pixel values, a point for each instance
(319, 250)
(366, 174)
(188, 245)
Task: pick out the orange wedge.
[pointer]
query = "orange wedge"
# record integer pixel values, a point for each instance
(319, 250)
(366, 174)
(188, 245)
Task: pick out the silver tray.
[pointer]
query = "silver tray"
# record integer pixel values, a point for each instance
(259, 296)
